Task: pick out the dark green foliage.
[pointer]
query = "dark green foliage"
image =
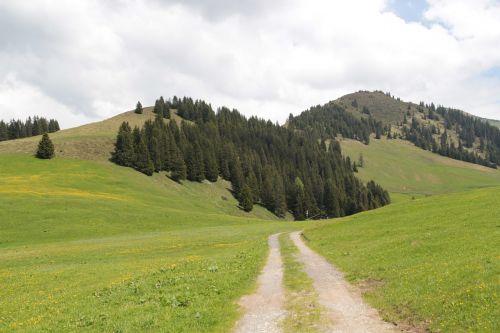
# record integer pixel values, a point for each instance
(124, 147)
(211, 166)
(280, 168)
(45, 148)
(142, 161)
(178, 168)
(299, 200)
(246, 198)
(138, 108)
(17, 129)
(195, 165)
(422, 136)
(331, 119)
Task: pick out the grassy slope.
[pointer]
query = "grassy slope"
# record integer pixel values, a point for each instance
(435, 260)
(90, 142)
(382, 107)
(403, 168)
(90, 244)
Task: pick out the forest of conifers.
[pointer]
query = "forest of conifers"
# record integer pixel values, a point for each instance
(17, 129)
(478, 141)
(267, 164)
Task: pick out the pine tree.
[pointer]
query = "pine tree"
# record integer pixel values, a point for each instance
(138, 108)
(299, 200)
(45, 148)
(142, 161)
(236, 174)
(178, 167)
(245, 198)
(332, 197)
(211, 167)
(124, 147)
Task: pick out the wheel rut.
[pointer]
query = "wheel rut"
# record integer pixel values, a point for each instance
(341, 302)
(264, 308)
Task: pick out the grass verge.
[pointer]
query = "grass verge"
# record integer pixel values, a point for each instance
(431, 263)
(303, 309)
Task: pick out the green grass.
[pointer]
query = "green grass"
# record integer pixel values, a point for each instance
(433, 262)
(92, 246)
(302, 306)
(408, 171)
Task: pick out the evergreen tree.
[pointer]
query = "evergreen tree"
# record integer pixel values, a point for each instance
(178, 167)
(194, 163)
(332, 197)
(211, 167)
(138, 108)
(45, 148)
(124, 147)
(246, 198)
(142, 161)
(299, 201)
(279, 167)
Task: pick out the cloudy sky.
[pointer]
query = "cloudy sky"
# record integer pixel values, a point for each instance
(81, 61)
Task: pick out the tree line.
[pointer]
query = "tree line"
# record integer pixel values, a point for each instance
(478, 141)
(279, 168)
(330, 120)
(17, 129)
(423, 136)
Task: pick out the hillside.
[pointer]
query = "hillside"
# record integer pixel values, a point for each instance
(90, 245)
(380, 106)
(408, 171)
(93, 141)
(78, 237)
(444, 131)
(432, 263)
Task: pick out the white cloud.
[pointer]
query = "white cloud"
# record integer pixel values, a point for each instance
(98, 58)
(19, 100)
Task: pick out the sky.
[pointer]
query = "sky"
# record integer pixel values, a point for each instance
(82, 61)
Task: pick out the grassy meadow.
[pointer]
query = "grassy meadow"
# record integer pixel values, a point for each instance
(407, 171)
(92, 246)
(432, 263)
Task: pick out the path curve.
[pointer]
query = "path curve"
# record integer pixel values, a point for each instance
(264, 308)
(341, 302)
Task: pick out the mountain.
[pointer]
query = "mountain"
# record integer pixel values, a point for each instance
(445, 131)
(87, 244)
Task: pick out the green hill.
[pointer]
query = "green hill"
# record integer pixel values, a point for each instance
(90, 245)
(381, 106)
(432, 263)
(86, 244)
(90, 142)
(406, 170)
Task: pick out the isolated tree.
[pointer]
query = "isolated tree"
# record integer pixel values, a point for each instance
(45, 148)
(138, 108)
(245, 198)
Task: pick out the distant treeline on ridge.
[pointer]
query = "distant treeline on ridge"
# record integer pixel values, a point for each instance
(17, 129)
(267, 164)
(477, 141)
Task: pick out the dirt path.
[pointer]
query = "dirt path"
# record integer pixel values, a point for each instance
(264, 308)
(341, 302)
